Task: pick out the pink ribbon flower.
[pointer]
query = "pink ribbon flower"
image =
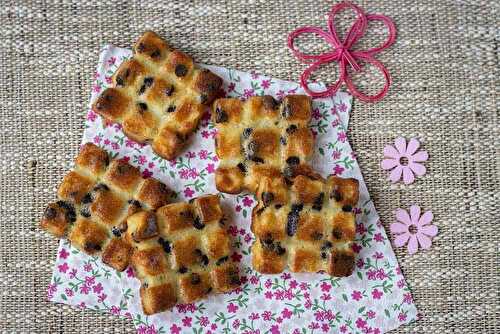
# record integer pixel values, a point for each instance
(414, 229)
(343, 53)
(404, 160)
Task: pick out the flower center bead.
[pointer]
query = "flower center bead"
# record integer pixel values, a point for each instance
(412, 229)
(403, 161)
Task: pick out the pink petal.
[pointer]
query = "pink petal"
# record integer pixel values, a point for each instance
(419, 169)
(413, 245)
(429, 230)
(419, 156)
(401, 239)
(403, 216)
(389, 163)
(424, 241)
(396, 174)
(397, 228)
(414, 213)
(413, 146)
(400, 143)
(426, 218)
(408, 176)
(390, 152)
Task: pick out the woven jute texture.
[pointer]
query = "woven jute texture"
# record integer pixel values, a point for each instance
(445, 71)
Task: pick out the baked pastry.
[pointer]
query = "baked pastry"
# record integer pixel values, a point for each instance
(261, 138)
(181, 253)
(95, 199)
(158, 96)
(306, 224)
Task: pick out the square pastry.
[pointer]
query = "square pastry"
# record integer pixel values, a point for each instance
(158, 96)
(181, 253)
(261, 138)
(305, 223)
(95, 199)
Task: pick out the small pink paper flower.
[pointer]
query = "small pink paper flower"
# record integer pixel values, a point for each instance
(414, 229)
(404, 160)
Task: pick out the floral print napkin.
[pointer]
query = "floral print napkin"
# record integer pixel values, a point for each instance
(375, 299)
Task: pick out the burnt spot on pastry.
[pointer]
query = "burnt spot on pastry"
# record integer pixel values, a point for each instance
(165, 244)
(151, 227)
(92, 247)
(318, 202)
(267, 197)
(220, 115)
(171, 108)
(347, 208)
(180, 70)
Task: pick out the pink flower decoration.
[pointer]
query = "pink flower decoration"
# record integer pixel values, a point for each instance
(414, 229)
(404, 160)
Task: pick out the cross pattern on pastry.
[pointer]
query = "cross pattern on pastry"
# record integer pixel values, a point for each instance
(306, 224)
(95, 199)
(158, 96)
(261, 138)
(181, 253)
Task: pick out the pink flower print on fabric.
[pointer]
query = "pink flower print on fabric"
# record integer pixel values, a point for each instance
(412, 228)
(403, 160)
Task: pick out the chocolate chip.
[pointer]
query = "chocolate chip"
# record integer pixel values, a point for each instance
(70, 213)
(242, 167)
(288, 172)
(336, 195)
(180, 70)
(195, 279)
(291, 129)
(318, 202)
(220, 116)
(292, 223)
(267, 198)
(209, 289)
(165, 244)
(50, 213)
(247, 132)
(119, 81)
(203, 98)
(102, 186)
(198, 224)
(155, 54)
(87, 198)
(280, 250)
(283, 140)
(141, 47)
(251, 149)
(337, 233)
(233, 278)
(286, 112)
(204, 260)
(135, 203)
(92, 246)
(317, 235)
(326, 245)
(222, 260)
(267, 243)
(148, 81)
(259, 211)
(106, 160)
(85, 211)
(324, 255)
(171, 108)
(169, 90)
(183, 270)
(278, 206)
(347, 208)
(142, 106)
(116, 231)
(293, 161)
(141, 90)
(297, 207)
(258, 160)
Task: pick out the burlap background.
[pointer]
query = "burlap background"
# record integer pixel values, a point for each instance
(445, 70)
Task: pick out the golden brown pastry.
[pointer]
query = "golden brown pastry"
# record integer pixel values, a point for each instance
(305, 223)
(261, 138)
(95, 199)
(181, 253)
(158, 96)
